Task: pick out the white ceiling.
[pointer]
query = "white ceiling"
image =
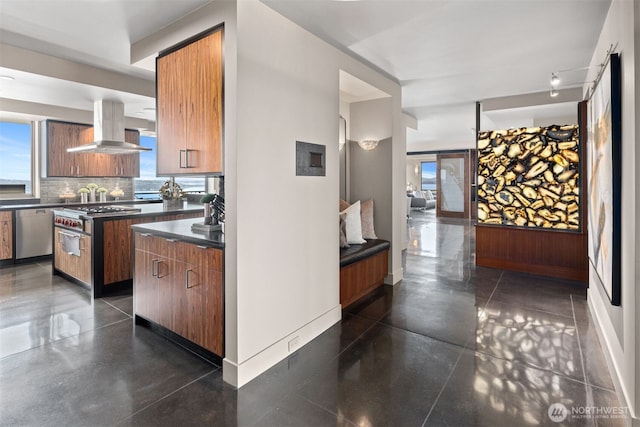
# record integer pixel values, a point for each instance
(446, 54)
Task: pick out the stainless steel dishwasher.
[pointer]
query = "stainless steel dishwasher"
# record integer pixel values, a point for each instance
(33, 232)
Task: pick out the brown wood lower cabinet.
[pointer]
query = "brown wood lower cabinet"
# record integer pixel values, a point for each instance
(362, 277)
(74, 265)
(6, 235)
(178, 285)
(117, 240)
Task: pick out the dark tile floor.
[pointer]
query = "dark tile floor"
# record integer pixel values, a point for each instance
(452, 344)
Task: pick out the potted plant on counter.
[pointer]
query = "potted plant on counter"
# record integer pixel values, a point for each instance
(172, 195)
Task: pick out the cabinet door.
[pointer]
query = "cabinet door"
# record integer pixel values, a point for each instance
(61, 136)
(94, 164)
(6, 235)
(75, 266)
(171, 123)
(203, 284)
(129, 163)
(189, 94)
(204, 108)
(145, 285)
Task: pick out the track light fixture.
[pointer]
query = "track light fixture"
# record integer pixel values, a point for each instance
(555, 80)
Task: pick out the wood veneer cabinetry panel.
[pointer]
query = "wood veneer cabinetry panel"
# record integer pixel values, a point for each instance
(6, 235)
(360, 278)
(61, 136)
(118, 249)
(118, 244)
(546, 253)
(189, 99)
(179, 286)
(75, 266)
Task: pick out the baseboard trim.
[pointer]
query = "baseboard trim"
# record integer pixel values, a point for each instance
(394, 277)
(607, 347)
(239, 374)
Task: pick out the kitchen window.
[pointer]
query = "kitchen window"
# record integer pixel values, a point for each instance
(147, 186)
(18, 158)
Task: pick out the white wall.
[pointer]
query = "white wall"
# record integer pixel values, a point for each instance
(287, 247)
(620, 326)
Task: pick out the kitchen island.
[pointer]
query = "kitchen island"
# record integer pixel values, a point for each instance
(96, 251)
(178, 285)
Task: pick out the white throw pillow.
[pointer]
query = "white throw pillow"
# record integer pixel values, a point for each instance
(353, 224)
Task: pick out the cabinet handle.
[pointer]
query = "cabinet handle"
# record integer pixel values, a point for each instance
(78, 170)
(71, 173)
(186, 159)
(73, 236)
(186, 156)
(116, 171)
(186, 277)
(171, 240)
(145, 234)
(154, 267)
(202, 247)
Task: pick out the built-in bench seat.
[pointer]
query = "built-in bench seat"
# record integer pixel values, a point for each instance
(362, 269)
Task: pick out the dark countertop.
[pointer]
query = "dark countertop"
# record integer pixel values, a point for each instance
(181, 230)
(147, 209)
(60, 205)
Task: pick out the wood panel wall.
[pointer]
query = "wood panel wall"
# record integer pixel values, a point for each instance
(546, 253)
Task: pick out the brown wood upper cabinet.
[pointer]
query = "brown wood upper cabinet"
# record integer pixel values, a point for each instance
(189, 97)
(63, 135)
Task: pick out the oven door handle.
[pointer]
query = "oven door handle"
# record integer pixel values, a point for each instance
(73, 236)
(70, 242)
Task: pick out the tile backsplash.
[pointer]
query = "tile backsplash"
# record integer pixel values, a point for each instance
(50, 188)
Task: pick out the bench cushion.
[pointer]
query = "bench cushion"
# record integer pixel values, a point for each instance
(355, 253)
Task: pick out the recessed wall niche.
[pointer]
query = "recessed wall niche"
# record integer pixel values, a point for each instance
(530, 177)
(310, 159)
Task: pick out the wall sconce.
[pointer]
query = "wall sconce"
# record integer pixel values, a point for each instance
(554, 92)
(368, 144)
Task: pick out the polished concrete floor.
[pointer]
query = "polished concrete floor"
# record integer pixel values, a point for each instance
(452, 344)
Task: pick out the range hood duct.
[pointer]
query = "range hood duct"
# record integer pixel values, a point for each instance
(108, 131)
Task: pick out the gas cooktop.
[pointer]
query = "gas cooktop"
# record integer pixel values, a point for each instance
(106, 210)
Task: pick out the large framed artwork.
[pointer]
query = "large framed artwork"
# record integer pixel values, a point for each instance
(604, 178)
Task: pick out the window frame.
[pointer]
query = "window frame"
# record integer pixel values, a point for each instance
(34, 174)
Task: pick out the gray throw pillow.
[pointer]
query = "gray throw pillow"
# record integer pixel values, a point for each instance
(366, 219)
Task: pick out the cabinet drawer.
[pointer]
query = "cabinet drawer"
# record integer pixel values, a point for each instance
(206, 257)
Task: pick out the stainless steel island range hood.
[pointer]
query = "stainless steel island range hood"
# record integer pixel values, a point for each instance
(108, 131)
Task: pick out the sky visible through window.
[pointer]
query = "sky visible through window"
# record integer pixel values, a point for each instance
(428, 175)
(15, 154)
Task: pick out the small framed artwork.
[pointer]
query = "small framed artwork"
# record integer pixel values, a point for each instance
(604, 178)
(310, 159)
